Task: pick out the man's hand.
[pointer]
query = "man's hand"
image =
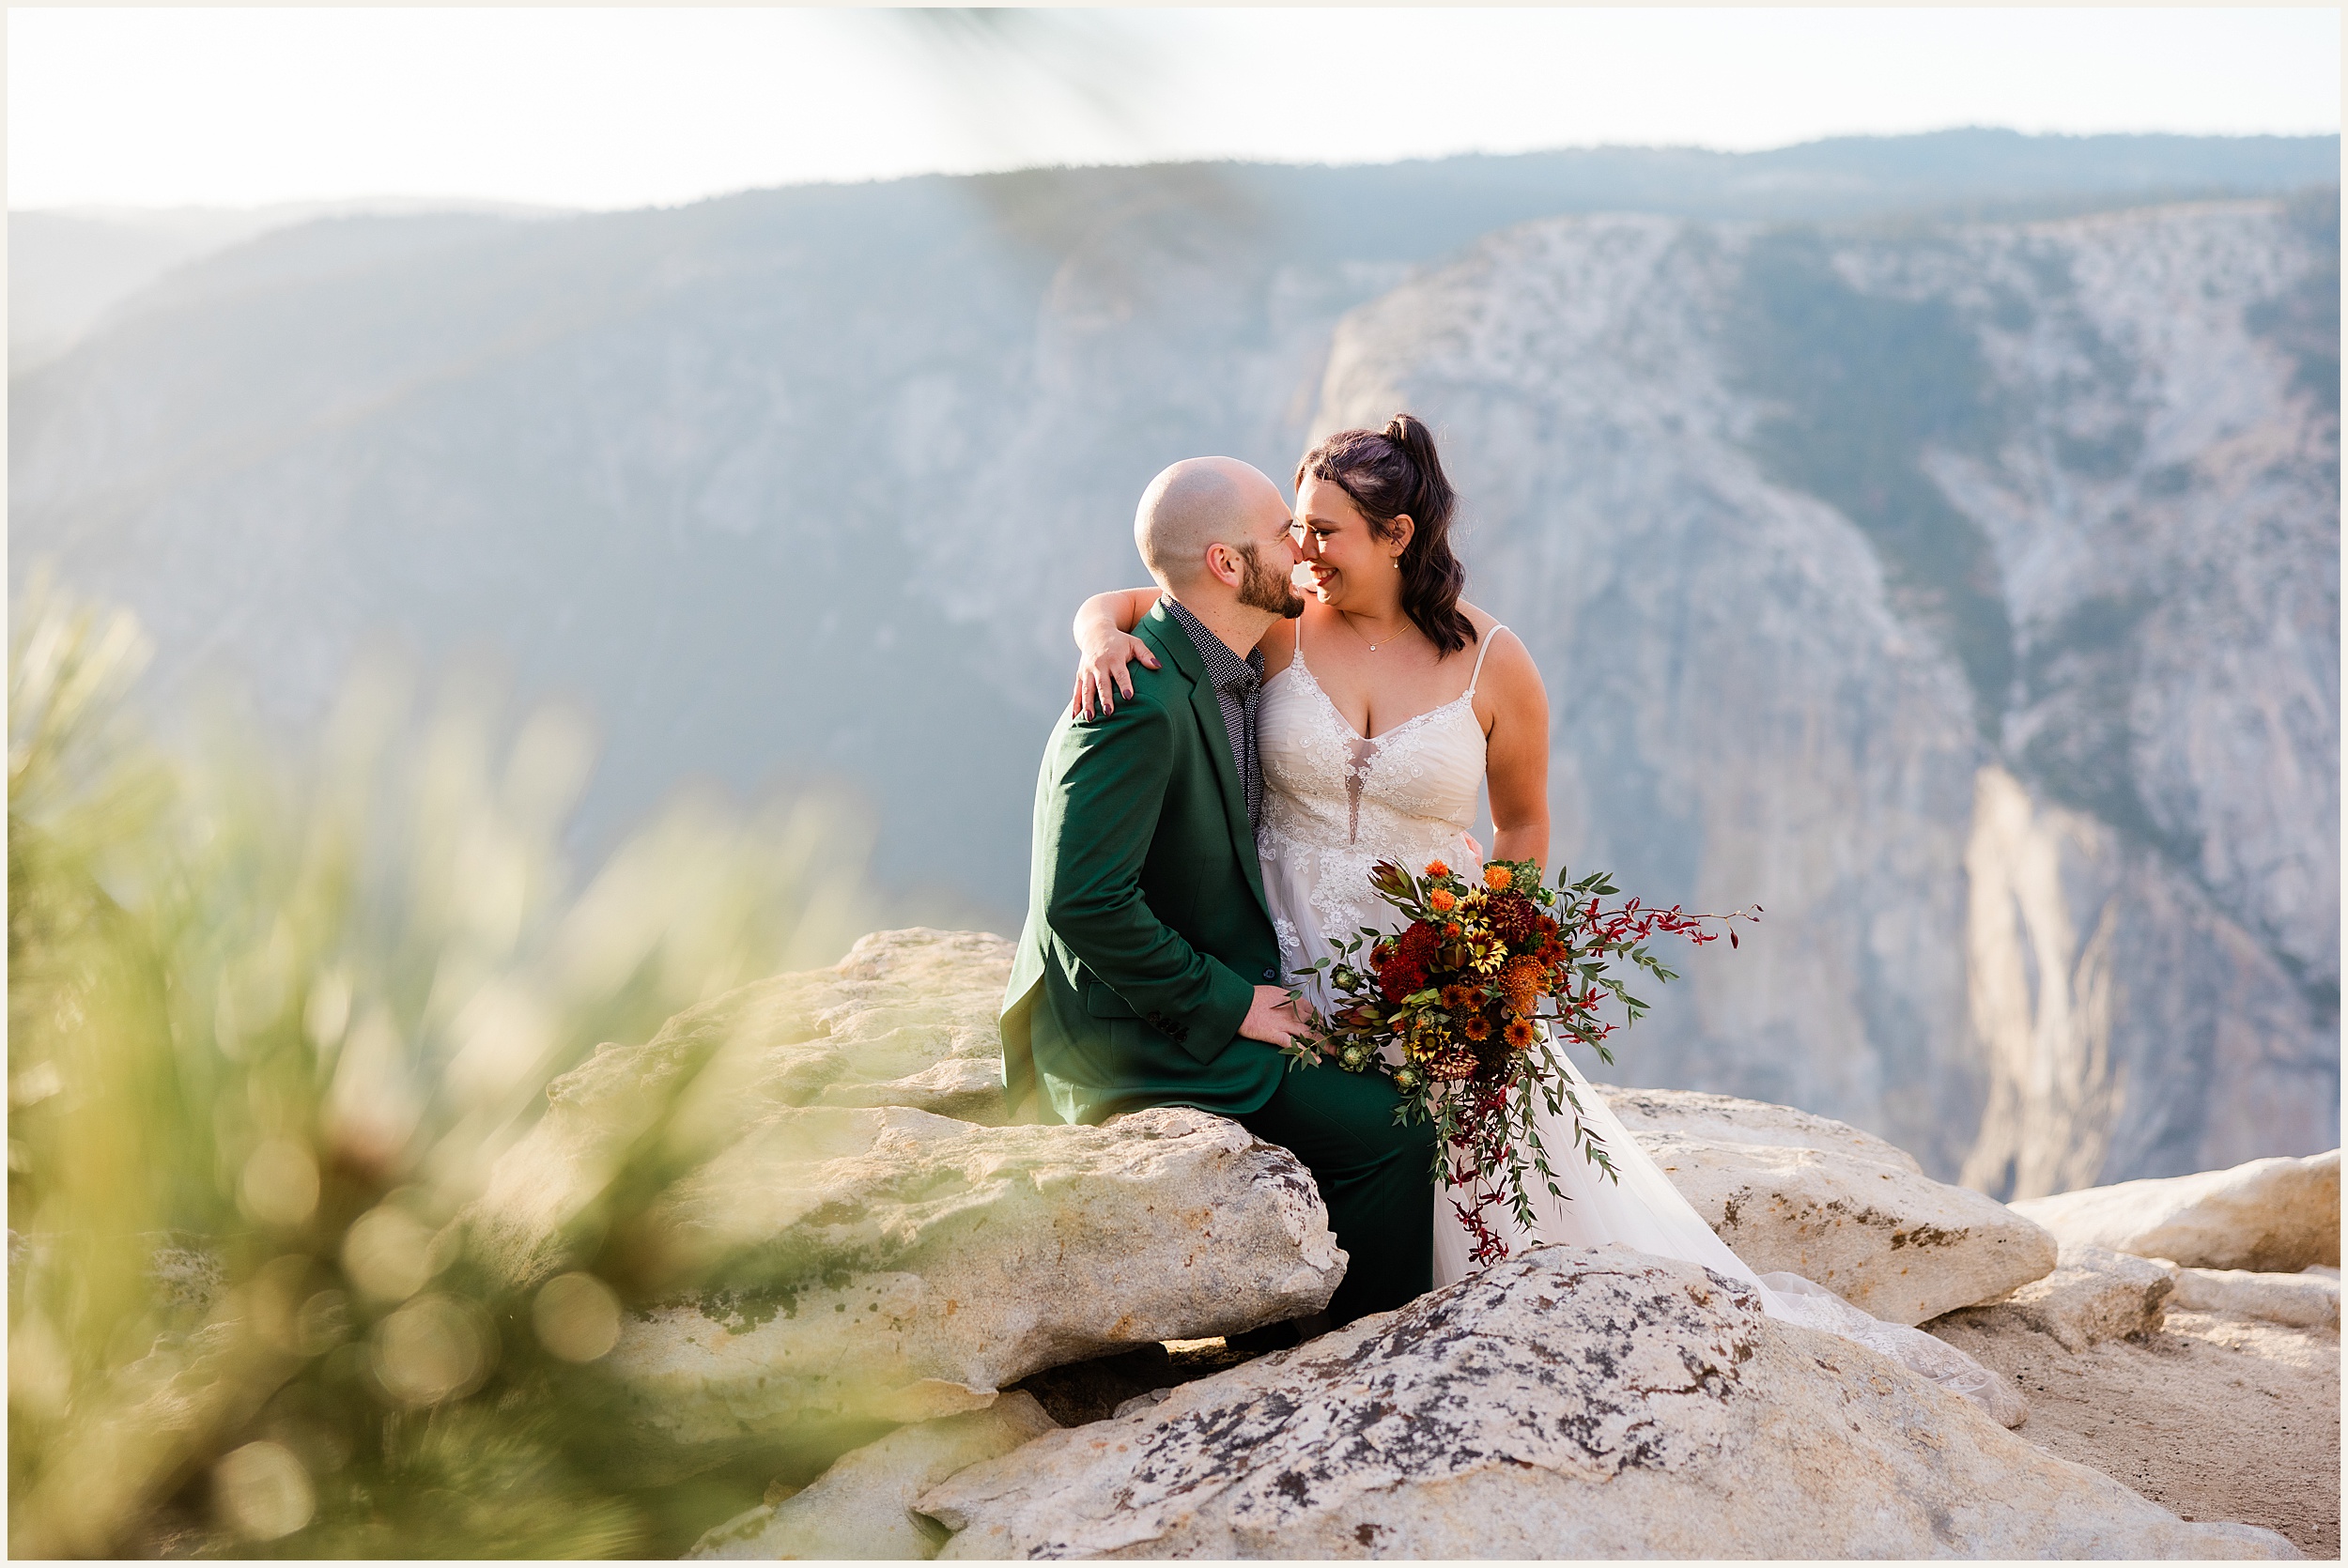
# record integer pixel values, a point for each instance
(1272, 1018)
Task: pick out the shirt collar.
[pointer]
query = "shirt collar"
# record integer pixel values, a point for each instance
(1223, 667)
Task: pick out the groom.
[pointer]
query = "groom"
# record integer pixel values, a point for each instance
(1147, 974)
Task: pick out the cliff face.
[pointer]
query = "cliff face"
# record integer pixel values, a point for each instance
(1973, 592)
(1965, 593)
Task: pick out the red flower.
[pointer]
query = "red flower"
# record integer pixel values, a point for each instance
(1402, 978)
(1514, 919)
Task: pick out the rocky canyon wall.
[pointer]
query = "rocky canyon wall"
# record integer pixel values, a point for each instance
(1969, 598)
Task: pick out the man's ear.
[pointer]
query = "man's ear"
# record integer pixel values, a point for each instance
(1224, 566)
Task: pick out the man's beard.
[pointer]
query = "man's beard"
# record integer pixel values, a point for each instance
(1261, 588)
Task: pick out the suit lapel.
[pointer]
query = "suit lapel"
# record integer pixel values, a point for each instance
(1162, 631)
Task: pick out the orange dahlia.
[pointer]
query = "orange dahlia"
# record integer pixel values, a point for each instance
(1519, 1034)
(1477, 1028)
(1498, 878)
(1522, 981)
(1437, 868)
(1456, 999)
(1442, 901)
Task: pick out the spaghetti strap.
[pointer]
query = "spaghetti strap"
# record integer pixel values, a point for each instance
(1477, 673)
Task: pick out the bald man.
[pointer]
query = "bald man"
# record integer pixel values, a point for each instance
(1149, 973)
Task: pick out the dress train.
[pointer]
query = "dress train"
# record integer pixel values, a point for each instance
(1644, 1211)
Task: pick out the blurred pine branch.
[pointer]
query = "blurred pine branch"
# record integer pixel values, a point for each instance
(271, 1019)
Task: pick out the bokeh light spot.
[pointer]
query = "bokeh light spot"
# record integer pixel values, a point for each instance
(281, 1183)
(262, 1492)
(576, 1316)
(387, 1253)
(430, 1350)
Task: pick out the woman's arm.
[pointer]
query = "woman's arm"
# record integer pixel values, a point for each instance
(1516, 756)
(1103, 648)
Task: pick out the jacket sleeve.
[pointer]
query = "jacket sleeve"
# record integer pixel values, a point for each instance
(1098, 820)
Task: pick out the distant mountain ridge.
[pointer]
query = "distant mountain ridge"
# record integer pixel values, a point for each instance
(806, 483)
(67, 267)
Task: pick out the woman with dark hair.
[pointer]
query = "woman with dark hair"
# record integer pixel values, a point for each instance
(1383, 707)
(1386, 668)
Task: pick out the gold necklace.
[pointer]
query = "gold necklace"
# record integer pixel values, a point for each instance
(1365, 636)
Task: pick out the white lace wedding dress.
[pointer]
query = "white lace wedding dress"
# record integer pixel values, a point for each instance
(1336, 803)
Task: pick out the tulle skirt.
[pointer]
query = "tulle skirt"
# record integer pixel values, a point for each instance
(1639, 1208)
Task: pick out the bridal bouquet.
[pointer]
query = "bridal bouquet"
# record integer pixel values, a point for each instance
(1466, 1007)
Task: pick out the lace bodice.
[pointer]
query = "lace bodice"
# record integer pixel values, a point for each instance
(1336, 803)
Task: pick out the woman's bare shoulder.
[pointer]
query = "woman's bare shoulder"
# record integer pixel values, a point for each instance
(1485, 623)
(1510, 673)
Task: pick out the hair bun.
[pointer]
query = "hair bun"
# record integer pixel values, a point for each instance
(1388, 473)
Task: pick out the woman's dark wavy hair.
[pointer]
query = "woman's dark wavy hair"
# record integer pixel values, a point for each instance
(1389, 473)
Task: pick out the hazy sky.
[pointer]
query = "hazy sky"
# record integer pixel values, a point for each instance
(617, 108)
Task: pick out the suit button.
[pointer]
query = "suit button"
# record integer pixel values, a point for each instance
(1271, 975)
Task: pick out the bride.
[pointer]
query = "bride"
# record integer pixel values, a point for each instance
(1386, 706)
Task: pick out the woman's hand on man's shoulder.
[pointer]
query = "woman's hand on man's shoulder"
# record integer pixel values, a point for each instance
(1106, 649)
(1104, 674)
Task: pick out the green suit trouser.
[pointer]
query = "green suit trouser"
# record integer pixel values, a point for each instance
(1376, 1179)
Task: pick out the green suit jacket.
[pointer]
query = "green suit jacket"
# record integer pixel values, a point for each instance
(1147, 932)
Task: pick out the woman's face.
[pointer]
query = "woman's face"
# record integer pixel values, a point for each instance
(1344, 559)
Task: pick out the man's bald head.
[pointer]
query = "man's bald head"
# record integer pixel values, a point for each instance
(1197, 502)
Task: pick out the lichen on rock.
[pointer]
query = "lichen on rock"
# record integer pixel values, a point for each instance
(1572, 1402)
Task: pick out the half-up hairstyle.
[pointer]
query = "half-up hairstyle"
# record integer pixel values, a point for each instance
(1389, 473)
